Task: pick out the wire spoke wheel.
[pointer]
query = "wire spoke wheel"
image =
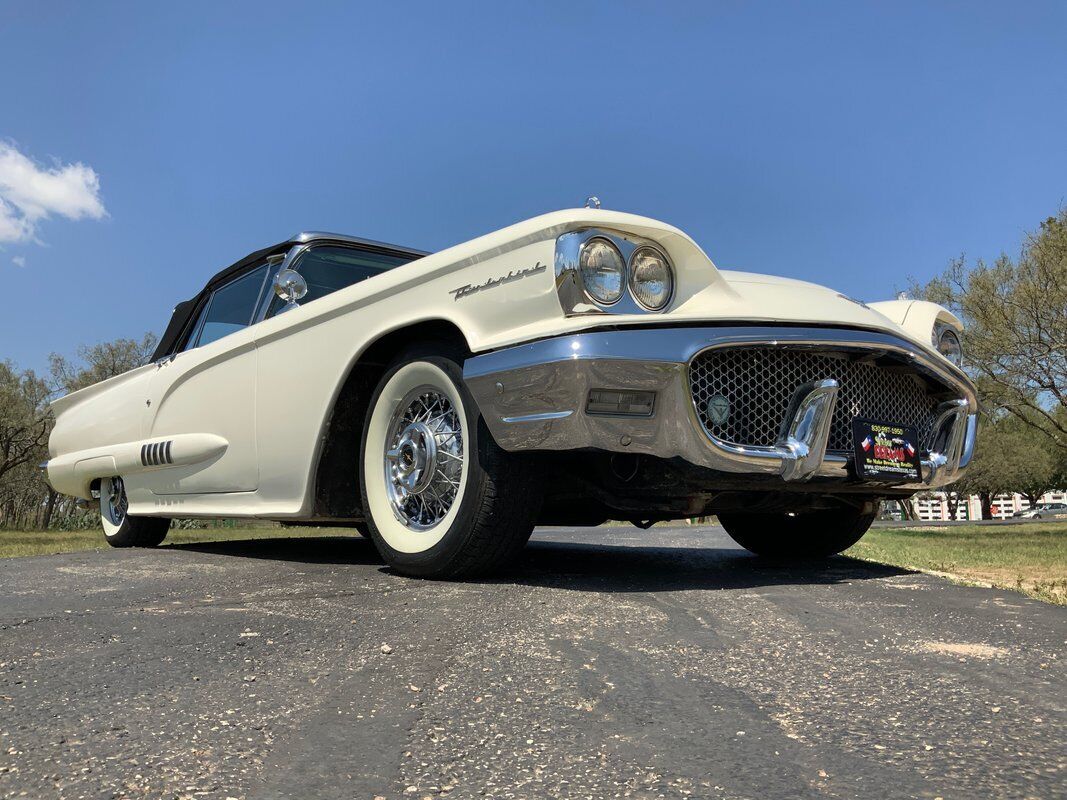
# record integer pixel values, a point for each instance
(441, 499)
(121, 529)
(424, 458)
(116, 503)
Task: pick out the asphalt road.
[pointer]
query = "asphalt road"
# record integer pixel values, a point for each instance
(610, 663)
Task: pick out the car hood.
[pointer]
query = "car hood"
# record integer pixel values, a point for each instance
(768, 298)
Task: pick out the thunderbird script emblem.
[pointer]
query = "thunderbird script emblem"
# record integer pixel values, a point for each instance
(491, 283)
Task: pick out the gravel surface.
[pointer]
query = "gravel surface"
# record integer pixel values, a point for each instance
(609, 663)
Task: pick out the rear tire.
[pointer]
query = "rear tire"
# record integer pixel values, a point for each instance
(815, 534)
(441, 498)
(122, 530)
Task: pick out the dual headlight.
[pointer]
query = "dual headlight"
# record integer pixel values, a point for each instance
(606, 274)
(947, 342)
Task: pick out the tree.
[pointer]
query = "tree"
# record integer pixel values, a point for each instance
(100, 362)
(24, 427)
(1035, 468)
(955, 495)
(1010, 456)
(986, 476)
(24, 420)
(1015, 314)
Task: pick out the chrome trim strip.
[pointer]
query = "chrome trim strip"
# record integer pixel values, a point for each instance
(538, 417)
(267, 297)
(306, 237)
(538, 386)
(682, 344)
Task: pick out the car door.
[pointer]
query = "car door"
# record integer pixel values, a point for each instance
(210, 387)
(300, 365)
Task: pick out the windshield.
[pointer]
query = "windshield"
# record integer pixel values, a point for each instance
(329, 268)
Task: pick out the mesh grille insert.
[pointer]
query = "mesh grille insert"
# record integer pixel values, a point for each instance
(759, 382)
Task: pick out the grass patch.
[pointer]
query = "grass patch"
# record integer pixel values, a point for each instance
(1029, 558)
(40, 543)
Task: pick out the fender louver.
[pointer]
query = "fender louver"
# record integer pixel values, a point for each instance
(156, 454)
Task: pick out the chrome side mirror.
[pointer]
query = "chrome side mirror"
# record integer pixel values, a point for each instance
(290, 286)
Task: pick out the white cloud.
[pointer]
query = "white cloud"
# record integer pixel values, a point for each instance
(30, 193)
(18, 261)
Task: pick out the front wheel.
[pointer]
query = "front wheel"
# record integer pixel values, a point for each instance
(441, 499)
(122, 530)
(815, 534)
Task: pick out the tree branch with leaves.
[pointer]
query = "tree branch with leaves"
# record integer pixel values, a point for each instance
(1015, 313)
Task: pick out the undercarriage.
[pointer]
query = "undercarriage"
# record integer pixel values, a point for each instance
(587, 488)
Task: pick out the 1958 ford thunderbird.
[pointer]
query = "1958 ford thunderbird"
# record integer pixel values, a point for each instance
(580, 366)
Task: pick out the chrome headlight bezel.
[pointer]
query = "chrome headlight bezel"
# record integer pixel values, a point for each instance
(575, 298)
(669, 278)
(947, 342)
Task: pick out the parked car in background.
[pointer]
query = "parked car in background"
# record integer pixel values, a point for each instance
(1043, 511)
(579, 366)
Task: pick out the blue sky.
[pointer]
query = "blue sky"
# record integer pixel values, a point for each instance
(849, 144)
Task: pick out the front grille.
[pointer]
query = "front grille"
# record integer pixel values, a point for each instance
(759, 382)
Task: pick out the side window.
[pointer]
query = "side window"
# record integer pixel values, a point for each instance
(229, 309)
(327, 269)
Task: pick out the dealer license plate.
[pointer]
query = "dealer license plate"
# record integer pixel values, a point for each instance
(886, 451)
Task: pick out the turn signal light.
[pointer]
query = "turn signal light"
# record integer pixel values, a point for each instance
(620, 402)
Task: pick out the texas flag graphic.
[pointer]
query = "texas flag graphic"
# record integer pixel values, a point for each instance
(910, 448)
(866, 444)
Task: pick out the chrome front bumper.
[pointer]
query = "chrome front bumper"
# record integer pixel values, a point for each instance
(533, 397)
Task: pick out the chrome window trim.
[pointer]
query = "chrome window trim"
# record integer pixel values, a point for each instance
(309, 237)
(296, 252)
(575, 300)
(265, 298)
(198, 327)
(193, 341)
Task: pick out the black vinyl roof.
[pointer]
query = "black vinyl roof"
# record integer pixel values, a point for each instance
(185, 311)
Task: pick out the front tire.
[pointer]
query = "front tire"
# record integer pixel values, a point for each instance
(122, 530)
(441, 499)
(815, 534)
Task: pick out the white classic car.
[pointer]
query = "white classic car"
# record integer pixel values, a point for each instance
(580, 366)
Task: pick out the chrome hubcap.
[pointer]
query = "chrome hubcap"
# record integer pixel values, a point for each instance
(424, 458)
(414, 457)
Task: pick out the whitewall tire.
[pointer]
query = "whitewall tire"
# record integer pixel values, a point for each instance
(440, 498)
(122, 530)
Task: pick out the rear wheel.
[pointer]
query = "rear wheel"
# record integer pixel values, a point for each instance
(442, 500)
(815, 534)
(122, 530)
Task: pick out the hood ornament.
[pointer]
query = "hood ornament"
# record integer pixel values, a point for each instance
(592, 201)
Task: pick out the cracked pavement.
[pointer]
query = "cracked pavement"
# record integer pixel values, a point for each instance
(608, 663)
